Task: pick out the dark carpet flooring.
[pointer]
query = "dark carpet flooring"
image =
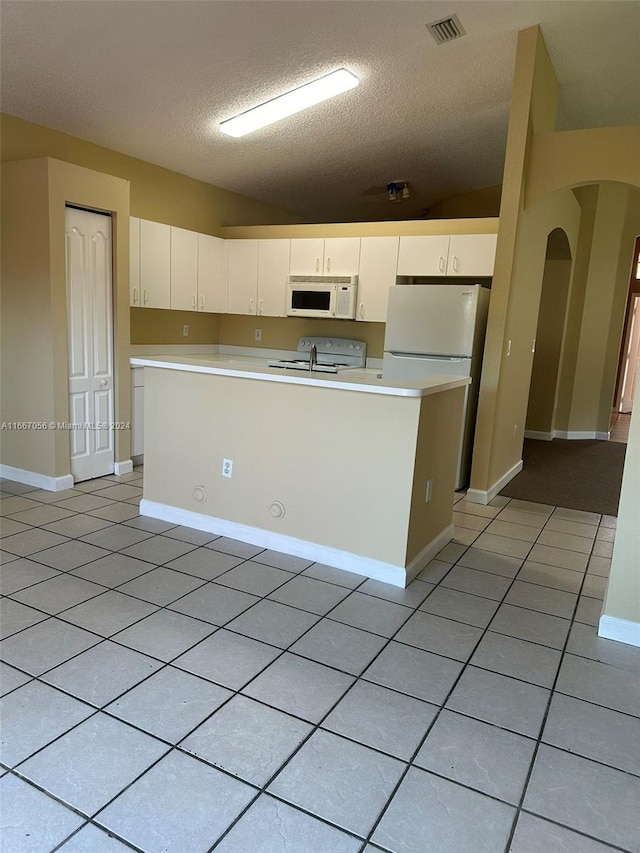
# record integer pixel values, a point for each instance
(584, 475)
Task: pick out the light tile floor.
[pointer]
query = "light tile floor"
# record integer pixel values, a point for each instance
(168, 690)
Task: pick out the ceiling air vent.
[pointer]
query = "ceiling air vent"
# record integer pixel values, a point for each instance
(447, 29)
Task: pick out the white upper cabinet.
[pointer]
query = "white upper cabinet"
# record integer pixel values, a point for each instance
(242, 276)
(273, 269)
(330, 256)
(377, 273)
(134, 262)
(184, 269)
(341, 255)
(155, 264)
(211, 281)
(455, 255)
(472, 254)
(307, 256)
(423, 255)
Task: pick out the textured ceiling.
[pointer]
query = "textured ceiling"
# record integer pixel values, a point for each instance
(153, 79)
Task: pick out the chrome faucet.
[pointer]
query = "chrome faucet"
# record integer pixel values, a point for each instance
(313, 356)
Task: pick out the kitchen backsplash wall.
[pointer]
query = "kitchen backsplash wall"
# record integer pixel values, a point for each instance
(158, 326)
(284, 332)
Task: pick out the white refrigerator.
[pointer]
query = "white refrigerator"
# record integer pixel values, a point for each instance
(438, 330)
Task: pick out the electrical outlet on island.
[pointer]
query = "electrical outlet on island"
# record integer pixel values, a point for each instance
(258, 334)
(185, 331)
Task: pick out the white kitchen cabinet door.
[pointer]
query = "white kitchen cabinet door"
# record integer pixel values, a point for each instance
(307, 256)
(211, 289)
(134, 262)
(155, 264)
(242, 277)
(341, 255)
(184, 269)
(423, 255)
(376, 274)
(273, 269)
(472, 254)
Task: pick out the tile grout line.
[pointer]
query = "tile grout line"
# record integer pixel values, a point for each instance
(414, 610)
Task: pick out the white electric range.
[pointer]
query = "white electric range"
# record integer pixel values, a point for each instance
(333, 355)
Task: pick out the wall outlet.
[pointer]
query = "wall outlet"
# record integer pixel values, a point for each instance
(185, 331)
(227, 467)
(258, 334)
(515, 430)
(508, 348)
(428, 491)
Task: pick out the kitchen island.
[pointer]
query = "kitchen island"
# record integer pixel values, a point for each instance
(348, 470)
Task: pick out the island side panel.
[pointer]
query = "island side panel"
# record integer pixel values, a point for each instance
(436, 459)
(341, 462)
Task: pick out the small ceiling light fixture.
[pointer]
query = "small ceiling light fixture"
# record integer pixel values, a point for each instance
(291, 102)
(398, 190)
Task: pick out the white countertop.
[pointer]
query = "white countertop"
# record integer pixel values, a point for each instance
(367, 380)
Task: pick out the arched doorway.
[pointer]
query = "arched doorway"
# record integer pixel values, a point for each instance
(543, 390)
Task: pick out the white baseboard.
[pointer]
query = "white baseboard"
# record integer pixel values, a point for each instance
(622, 630)
(580, 435)
(38, 481)
(125, 467)
(386, 572)
(429, 552)
(479, 496)
(571, 435)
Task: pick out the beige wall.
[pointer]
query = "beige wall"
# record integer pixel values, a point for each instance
(161, 326)
(437, 460)
(622, 600)
(284, 332)
(367, 444)
(27, 323)
(549, 337)
(537, 198)
(496, 416)
(615, 225)
(156, 193)
(576, 157)
(504, 388)
(484, 202)
(34, 304)
(409, 227)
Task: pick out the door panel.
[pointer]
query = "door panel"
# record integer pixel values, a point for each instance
(90, 336)
(437, 319)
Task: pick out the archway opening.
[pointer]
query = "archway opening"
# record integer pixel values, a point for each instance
(543, 390)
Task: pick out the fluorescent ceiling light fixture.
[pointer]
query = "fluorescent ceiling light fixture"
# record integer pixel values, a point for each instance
(291, 102)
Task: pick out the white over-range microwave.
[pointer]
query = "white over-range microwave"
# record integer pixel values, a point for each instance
(332, 296)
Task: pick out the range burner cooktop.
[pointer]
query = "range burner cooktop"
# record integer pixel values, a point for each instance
(333, 355)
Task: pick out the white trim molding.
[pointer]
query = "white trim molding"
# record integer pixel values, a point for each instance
(622, 630)
(386, 572)
(38, 481)
(539, 436)
(580, 435)
(480, 496)
(124, 467)
(427, 554)
(571, 435)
